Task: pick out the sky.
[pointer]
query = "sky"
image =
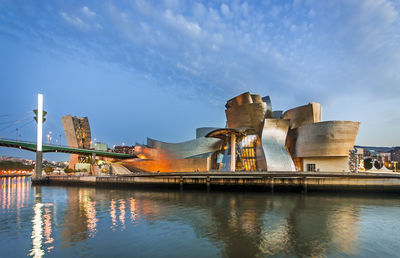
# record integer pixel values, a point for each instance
(161, 69)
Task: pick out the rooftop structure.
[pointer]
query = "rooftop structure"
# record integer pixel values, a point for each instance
(99, 146)
(124, 149)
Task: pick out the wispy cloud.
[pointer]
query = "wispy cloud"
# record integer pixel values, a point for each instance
(291, 49)
(87, 12)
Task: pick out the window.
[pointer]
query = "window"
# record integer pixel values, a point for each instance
(247, 153)
(310, 167)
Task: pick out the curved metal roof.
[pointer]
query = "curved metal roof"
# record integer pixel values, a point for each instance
(221, 133)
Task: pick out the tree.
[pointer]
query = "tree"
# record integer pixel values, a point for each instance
(68, 170)
(14, 165)
(48, 169)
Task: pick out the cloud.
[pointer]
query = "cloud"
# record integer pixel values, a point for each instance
(181, 24)
(226, 11)
(74, 21)
(82, 19)
(87, 12)
(302, 51)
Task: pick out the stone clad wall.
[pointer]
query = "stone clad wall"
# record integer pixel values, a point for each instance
(328, 164)
(77, 132)
(173, 165)
(69, 129)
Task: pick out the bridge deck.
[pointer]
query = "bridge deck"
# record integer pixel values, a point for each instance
(30, 146)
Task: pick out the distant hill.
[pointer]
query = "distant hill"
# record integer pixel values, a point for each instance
(377, 149)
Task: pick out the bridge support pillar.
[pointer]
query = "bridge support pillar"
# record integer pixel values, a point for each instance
(38, 165)
(39, 139)
(93, 164)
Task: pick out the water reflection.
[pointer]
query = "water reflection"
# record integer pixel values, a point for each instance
(47, 226)
(79, 222)
(37, 231)
(122, 213)
(113, 213)
(134, 214)
(233, 224)
(90, 209)
(43, 213)
(14, 192)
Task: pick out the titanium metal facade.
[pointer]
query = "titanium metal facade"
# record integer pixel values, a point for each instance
(256, 138)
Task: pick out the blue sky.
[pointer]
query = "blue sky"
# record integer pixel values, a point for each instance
(163, 68)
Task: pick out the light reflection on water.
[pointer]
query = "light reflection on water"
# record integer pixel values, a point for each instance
(78, 221)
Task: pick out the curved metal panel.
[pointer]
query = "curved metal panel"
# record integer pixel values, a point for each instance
(186, 149)
(223, 132)
(255, 98)
(306, 114)
(244, 98)
(246, 115)
(330, 138)
(203, 131)
(273, 143)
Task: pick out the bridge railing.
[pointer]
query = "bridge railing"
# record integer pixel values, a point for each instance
(32, 142)
(28, 145)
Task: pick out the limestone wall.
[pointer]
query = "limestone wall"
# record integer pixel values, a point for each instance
(173, 165)
(328, 164)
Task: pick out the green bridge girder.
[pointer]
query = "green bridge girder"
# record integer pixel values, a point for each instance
(30, 146)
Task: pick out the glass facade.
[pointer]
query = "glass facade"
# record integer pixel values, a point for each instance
(247, 153)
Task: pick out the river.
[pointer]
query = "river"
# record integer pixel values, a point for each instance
(103, 222)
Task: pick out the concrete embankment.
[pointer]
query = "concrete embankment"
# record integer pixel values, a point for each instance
(269, 181)
(13, 175)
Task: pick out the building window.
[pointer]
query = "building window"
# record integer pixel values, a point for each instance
(247, 153)
(310, 167)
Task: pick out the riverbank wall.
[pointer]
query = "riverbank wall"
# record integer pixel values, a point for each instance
(14, 175)
(266, 181)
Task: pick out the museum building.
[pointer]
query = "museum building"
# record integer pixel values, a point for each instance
(256, 138)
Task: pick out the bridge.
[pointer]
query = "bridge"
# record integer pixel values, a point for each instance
(31, 146)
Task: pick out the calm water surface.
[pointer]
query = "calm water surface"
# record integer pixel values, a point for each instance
(78, 221)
